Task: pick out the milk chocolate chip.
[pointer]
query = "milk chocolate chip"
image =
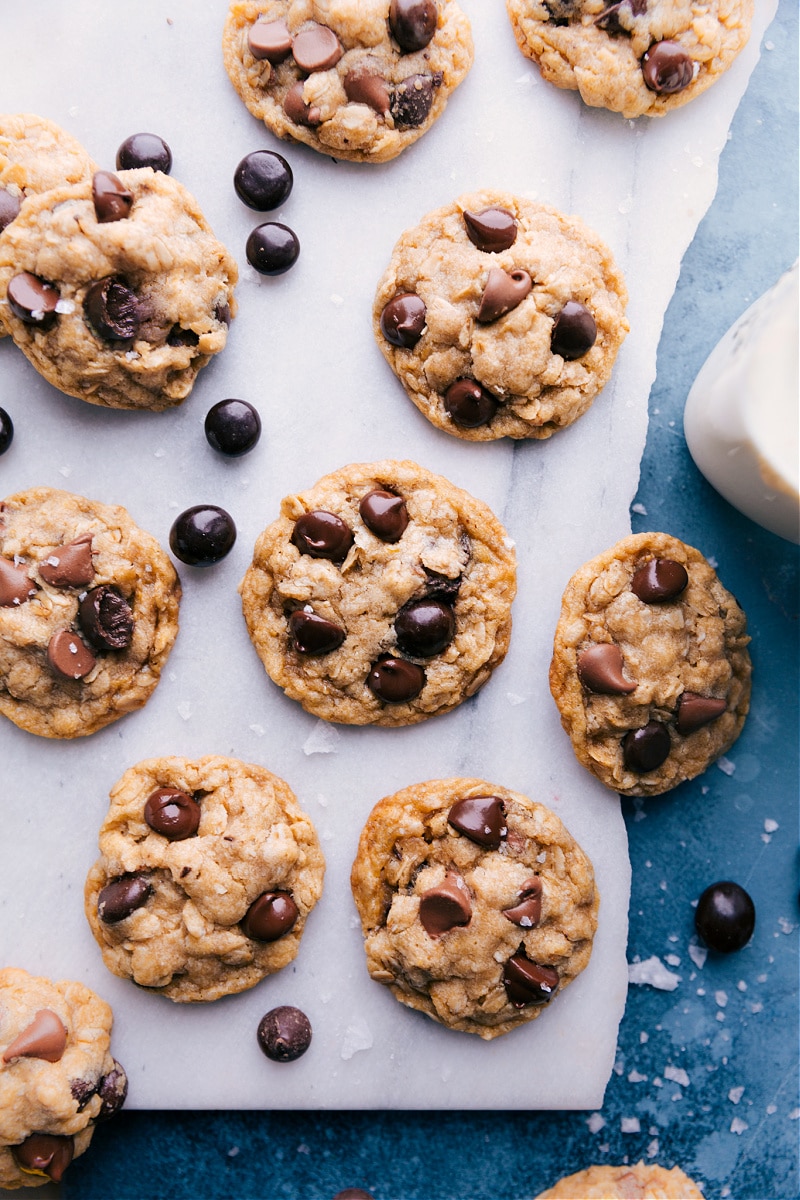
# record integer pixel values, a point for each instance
(312, 634)
(446, 906)
(403, 320)
(44, 1154)
(316, 48)
(106, 618)
(322, 535)
(69, 656)
(384, 514)
(527, 983)
(600, 670)
(659, 580)
(503, 292)
(32, 299)
(70, 565)
(16, 586)
(367, 87)
(492, 229)
(480, 818)
(297, 110)
(667, 68)
(270, 916)
(112, 200)
(45, 1037)
(696, 711)
(121, 897)
(528, 913)
(270, 40)
(9, 207)
(173, 813)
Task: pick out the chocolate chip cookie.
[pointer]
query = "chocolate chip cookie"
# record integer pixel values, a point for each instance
(354, 79)
(57, 1076)
(207, 873)
(88, 613)
(634, 57)
(381, 596)
(476, 904)
(116, 289)
(500, 317)
(650, 667)
(641, 1181)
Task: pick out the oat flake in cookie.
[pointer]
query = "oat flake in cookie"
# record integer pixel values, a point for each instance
(650, 667)
(640, 1181)
(381, 596)
(353, 79)
(500, 316)
(635, 57)
(116, 289)
(208, 870)
(57, 1076)
(476, 904)
(88, 613)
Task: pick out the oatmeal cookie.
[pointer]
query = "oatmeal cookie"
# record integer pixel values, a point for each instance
(500, 317)
(88, 613)
(650, 668)
(381, 596)
(116, 289)
(207, 873)
(57, 1076)
(635, 57)
(354, 79)
(476, 904)
(641, 1181)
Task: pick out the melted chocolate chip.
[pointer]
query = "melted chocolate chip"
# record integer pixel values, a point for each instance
(284, 1033)
(122, 896)
(395, 680)
(503, 292)
(528, 913)
(322, 535)
(45, 1037)
(312, 634)
(69, 656)
(316, 48)
(70, 565)
(667, 68)
(45, 1154)
(367, 87)
(297, 110)
(609, 19)
(106, 618)
(112, 310)
(469, 404)
(385, 514)
(446, 906)
(32, 299)
(112, 1090)
(696, 711)
(491, 229)
(270, 40)
(9, 207)
(659, 580)
(574, 331)
(425, 627)
(600, 670)
(480, 818)
(413, 23)
(16, 586)
(112, 200)
(82, 1091)
(412, 99)
(647, 748)
(527, 983)
(403, 320)
(725, 917)
(173, 813)
(270, 916)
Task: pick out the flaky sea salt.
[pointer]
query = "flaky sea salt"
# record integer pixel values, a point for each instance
(698, 954)
(595, 1122)
(725, 765)
(677, 1075)
(770, 826)
(721, 999)
(357, 1036)
(653, 973)
(738, 1125)
(630, 1125)
(323, 739)
(735, 1094)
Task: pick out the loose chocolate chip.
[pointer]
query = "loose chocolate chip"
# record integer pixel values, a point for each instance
(122, 896)
(395, 680)
(659, 580)
(106, 618)
(70, 565)
(528, 913)
(112, 200)
(173, 813)
(263, 180)
(503, 292)
(385, 514)
(69, 656)
(45, 1037)
(403, 320)
(353, 1194)
(6, 431)
(725, 917)
(527, 983)
(446, 906)
(600, 670)
(647, 748)
(144, 150)
(284, 1033)
(112, 310)
(32, 299)
(316, 48)
(202, 535)
(9, 207)
(272, 248)
(491, 229)
(297, 110)
(16, 586)
(574, 331)
(367, 87)
(412, 99)
(469, 404)
(312, 634)
(480, 818)
(82, 1091)
(425, 627)
(322, 535)
(696, 711)
(270, 40)
(112, 1090)
(44, 1154)
(232, 427)
(270, 916)
(667, 68)
(413, 23)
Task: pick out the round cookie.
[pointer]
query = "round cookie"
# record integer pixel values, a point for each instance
(207, 873)
(476, 904)
(88, 613)
(635, 57)
(116, 289)
(650, 669)
(381, 596)
(353, 79)
(641, 1181)
(57, 1076)
(500, 316)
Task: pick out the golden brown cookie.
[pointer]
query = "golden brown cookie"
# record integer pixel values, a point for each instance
(476, 904)
(650, 668)
(642, 1181)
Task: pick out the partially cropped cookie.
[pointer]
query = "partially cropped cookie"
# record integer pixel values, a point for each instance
(116, 289)
(57, 1076)
(641, 1181)
(354, 79)
(650, 667)
(381, 596)
(476, 904)
(500, 316)
(88, 612)
(635, 57)
(35, 156)
(208, 870)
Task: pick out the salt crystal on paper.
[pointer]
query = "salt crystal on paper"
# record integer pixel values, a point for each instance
(644, 1037)
(735, 1094)
(322, 800)
(513, 698)
(677, 1075)
(356, 1037)
(698, 954)
(323, 739)
(725, 765)
(185, 709)
(721, 998)
(635, 1077)
(652, 1148)
(786, 925)
(630, 1125)
(794, 1115)
(653, 973)
(738, 1125)
(672, 959)
(234, 1150)
(770, 826)
(595, 1123)
(259, 729)
(640, 509)
(771, 1109)
(336, 298)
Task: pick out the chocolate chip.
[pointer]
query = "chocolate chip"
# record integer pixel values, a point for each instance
(222, 313)
(412, 99)
(322, 535)
(696, 711)
(528, 913)
(403, 320)
(600, 670)
(69, 656)
(82, 1091)
(446, 906)
(112, 310)
(263, 180)
(202, 535)
(312, 634)
(270, 916)
(316, 48)
(527, 983)
(395, 680)
(385, 514)
(609, 18)
(491, 229)
(6, 429)
(112, 1090)
(178, 336)
(9, 207)
(45, 1038)
(122, 896)
(413, 23)
(272, 248)
(112, 200)
(659, 580)
(44, 1154)
(367, 87)
(425, 627)
(32, 299)
(144, 150)
(106, 618)
(173, 813)
(70, 565)
(574, 331)
(667, 68)
(284, 1033)
(16, 586)
(270, 40)
(647, 748)
(504, 290)
(353, 1194)
(725, 917)
(469, 404)
(480, 818)
(297, 110)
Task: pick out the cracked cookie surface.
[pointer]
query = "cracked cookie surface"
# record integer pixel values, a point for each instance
(640, 1181)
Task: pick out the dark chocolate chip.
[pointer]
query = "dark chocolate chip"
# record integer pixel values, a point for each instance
(270, 916)
(6, 431)
(112, 1090)
(574, 331)
(232, 427)
(725, 917)
(112, 200)
(70, 565)
(312, 634)
(106, 618)
(609, 19)
(446, 906)
(647, 748)
(395, 680)
(45, 1037)
(144, 150)
(659, 580)
(527, 983)
(480, 818)
(272, 248)
(122, 896)
(504, 290)
(32, 299)
(322, 535)
(425, 627)
(403, 320)
(469, 404)
(112, 310)
(263, 180)
(696, 711)
(385, 514)
(600, 670)
(667, 68)
(367, 87)
(69, 656)
(202, 535)
(528, 912)
(44, 1154)
(296, 108)
(178, 336)
(270, 40)
(9, 207)
(316, 48)
(412, 99)
(284, 1033)
(16, 586)
(413, 23)
(222, 313)
(353, 1194)
(173, 813)
(82, 1091)
(491, 229)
